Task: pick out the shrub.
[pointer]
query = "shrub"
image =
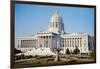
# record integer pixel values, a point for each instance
(76, 50)
(67, 51)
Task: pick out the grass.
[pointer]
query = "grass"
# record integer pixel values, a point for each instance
(33, 61)
(49, 61)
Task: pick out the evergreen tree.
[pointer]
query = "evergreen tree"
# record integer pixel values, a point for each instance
(67, 51)
(76, 50)
(17, 51)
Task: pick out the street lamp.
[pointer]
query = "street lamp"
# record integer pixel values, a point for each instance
(57, 49)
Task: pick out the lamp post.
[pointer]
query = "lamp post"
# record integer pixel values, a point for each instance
(57, 49)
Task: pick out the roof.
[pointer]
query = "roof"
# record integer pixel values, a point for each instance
(74, 34)
(44, 32)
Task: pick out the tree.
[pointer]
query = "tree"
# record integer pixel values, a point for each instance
(76, 50)
(16, 51)
(93, 53)
(67, 51)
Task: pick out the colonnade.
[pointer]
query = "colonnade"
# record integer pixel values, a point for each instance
(72, 42)
(45, 41)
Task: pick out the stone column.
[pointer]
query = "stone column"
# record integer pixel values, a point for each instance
(18, 45)
(69, 42)
(76, 41)
(79, 42)
(73, 42)
(64, 42)
(48, 41)
(38, 41)
(52, 42)
(43, 41)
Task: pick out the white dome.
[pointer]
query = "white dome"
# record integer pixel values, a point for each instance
(56, 18)
(56, 24)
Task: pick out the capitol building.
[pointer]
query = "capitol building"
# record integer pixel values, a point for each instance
(55, 36)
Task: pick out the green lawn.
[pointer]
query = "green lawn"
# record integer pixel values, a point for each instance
(50, 61)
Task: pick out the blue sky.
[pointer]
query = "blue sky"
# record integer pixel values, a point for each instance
(29, 19)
